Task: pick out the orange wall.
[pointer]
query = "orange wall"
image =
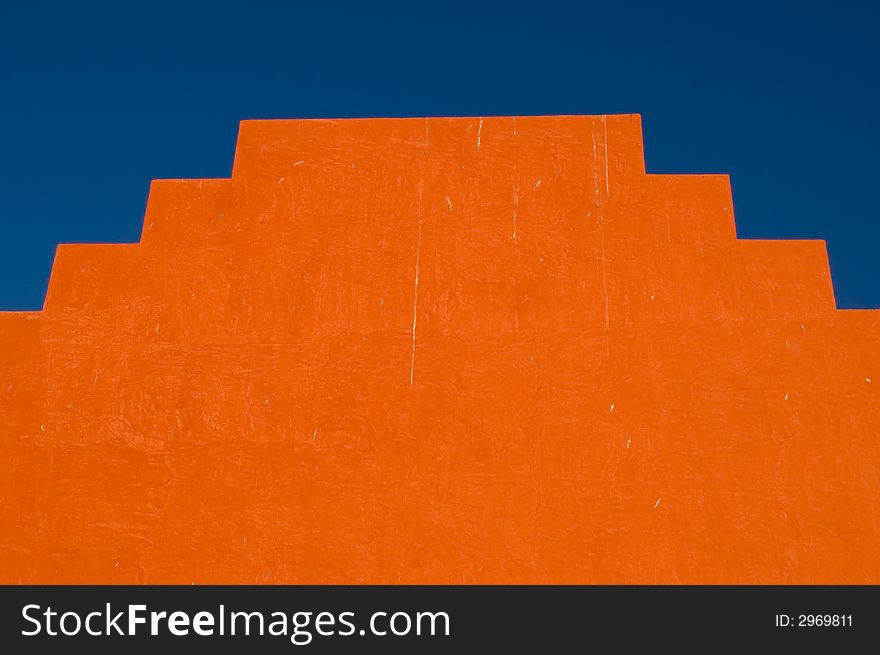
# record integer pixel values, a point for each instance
(440, 351)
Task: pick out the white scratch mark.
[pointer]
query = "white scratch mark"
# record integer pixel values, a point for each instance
(868, 380)
(628, 442)
(266, 578)
(537, 184)
(515, 208)
(595, 172)
(601, 242)
(658, 502)
(301, 161)
(479, 133)
(605, 137)
(786, 396)
(149, 227)
(117, 565)
(267, 401)
(612, 408)
(315, 435)
(804, 329)
(412, 366)
(449, 203)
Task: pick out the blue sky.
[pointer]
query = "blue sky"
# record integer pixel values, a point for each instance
(99, 98)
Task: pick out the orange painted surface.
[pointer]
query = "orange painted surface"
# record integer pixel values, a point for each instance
(447, 351)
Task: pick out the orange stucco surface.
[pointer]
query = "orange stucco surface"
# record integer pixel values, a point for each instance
(440, 351)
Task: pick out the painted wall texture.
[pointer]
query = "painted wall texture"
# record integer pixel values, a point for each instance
(440, 351)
